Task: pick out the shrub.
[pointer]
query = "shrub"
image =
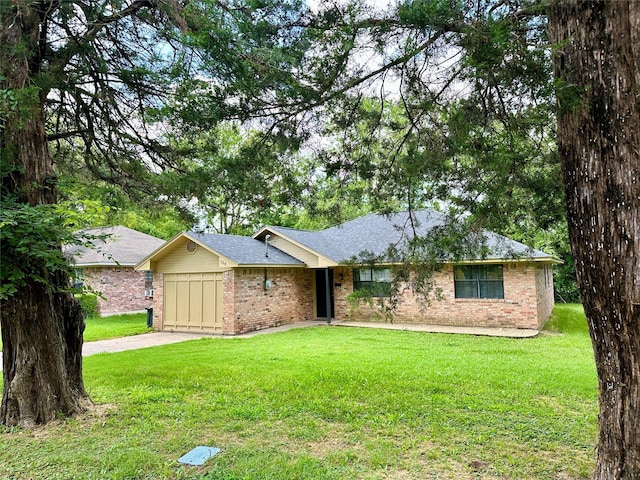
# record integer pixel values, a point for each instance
(89, 304)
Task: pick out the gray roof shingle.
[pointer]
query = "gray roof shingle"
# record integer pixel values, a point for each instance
(121, 246)
(374, 233)
(244, 250)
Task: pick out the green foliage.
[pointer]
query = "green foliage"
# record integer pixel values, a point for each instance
(248, 53)
(88, 303)
(469, 127)
(358, 297)
(330, 403)
(96, 204)
(8, 101)
(430, 14)
(233, 180)
(564, 281)
(31, 237)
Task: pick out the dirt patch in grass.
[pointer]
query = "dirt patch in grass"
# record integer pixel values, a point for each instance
(98, 411)
(95, 413)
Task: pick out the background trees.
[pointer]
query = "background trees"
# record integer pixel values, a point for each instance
(90, 80)
(455, 101)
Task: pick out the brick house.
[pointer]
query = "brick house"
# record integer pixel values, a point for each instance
(232, 284)
(107, 267)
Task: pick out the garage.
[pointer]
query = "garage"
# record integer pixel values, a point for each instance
(225, 284)
(193, 302)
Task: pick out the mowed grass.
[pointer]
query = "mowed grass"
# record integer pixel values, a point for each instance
(330, 403)
(115, 326)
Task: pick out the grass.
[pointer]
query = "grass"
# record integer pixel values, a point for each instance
(115, 326)
(568, 318)
(330, 403)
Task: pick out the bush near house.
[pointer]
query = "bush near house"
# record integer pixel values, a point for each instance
(88, 303)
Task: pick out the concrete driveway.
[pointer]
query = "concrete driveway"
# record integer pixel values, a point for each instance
(136, 341)
(154, 339)
(131, 343)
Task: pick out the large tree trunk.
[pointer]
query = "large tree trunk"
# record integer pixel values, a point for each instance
(42, 323)
(599, 142)
(42, 356)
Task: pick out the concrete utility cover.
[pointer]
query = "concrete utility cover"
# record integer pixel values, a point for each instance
(199, 455)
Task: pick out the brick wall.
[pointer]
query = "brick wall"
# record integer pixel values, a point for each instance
(229, 303)
(343, 286)
(544, 288)
(525, 305)
(248, 306)
(158, 300)
(122, 288)
(288, 300)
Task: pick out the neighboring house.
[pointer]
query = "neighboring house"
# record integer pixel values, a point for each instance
(232, 284)
(107, 267)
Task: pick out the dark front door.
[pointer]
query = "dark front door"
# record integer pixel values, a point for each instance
(321, 292)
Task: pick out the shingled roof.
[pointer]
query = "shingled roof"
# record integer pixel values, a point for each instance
(120, 246)
(374, 233)
(244, 250)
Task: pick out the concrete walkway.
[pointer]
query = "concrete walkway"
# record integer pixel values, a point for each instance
(164, 338)
(134, 342)
(482, 331)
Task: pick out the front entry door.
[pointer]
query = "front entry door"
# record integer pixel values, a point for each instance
(321, 293)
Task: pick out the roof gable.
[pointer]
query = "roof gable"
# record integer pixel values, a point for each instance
(244, 250)
(120, 246)
(309, 246)
(375, 233)
(228, 251)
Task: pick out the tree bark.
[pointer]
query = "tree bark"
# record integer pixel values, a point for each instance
(42, 356)
(42, 323)
(599, 143)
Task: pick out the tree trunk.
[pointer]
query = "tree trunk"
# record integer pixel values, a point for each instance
(599, 143)
(42, 323)
(42, 356)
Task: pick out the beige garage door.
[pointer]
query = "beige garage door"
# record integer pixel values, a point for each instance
(193, 302)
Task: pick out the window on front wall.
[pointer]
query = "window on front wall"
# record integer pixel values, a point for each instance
(479, 281)
(376, 280)
(148, 283)
(78, 279)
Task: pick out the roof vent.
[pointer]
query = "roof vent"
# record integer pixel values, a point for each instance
(192, 246)
(266, 245)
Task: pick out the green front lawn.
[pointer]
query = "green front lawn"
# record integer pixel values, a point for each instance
(116, 326)
(102, 328)
(330, 403)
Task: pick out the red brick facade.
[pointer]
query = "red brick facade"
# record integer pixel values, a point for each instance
(123, 289)
(248, 306)
(527, 303)
(158, 300)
